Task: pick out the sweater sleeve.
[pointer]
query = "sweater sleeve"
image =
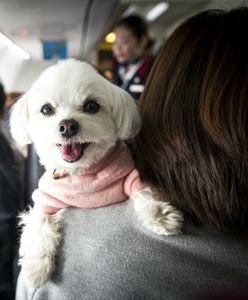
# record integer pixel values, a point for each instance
(132, 183)
(46, 203)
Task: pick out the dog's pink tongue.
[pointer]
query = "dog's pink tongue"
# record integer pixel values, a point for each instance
(71, 151)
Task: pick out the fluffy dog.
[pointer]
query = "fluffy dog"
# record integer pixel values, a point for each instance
(77, 121)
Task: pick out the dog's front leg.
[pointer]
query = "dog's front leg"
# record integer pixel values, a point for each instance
(40, 239)
(157, 216)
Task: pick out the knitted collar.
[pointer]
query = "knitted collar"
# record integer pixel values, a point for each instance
(110, 180)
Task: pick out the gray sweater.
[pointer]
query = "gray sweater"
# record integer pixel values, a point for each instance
(107, 255)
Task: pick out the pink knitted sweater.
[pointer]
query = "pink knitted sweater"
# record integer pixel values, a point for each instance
(110, 180)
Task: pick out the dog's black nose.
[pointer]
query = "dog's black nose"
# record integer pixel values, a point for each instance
(68, 128)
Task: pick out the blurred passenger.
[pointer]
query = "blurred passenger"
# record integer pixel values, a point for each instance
(10, 195)
(132, 52)
(26, 156)
(10, 100)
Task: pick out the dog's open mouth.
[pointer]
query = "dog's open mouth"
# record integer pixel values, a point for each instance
(73, 151)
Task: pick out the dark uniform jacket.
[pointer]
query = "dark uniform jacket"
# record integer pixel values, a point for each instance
(136, 84)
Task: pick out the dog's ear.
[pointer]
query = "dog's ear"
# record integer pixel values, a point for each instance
(126, 114)
(19, 121)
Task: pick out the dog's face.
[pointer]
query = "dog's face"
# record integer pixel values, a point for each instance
(73, 116)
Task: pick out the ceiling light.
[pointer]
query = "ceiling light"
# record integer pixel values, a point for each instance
(157, 11)
(12, 46)
(131, 8)
(110, 38)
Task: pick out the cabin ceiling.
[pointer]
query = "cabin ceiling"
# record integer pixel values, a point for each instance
(83, 23)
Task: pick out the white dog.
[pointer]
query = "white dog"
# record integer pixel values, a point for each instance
(76, 120)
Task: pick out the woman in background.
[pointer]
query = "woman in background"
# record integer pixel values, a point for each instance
(133, 61)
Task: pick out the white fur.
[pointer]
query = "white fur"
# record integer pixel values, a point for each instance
(67, 86)
(157, 216)
(40, 238)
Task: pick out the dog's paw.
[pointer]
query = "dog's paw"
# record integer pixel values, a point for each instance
(39, 242)
(157, 216)
(36, 270)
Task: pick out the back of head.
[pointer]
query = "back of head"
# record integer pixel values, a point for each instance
(193, 146)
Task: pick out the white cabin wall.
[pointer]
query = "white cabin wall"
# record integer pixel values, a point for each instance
(28, 73)
(17, 74)
(10, 66)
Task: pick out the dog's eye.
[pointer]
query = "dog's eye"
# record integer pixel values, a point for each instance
(47, 110)
(91, 106)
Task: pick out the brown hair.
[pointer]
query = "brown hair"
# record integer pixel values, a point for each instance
(193, 145)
